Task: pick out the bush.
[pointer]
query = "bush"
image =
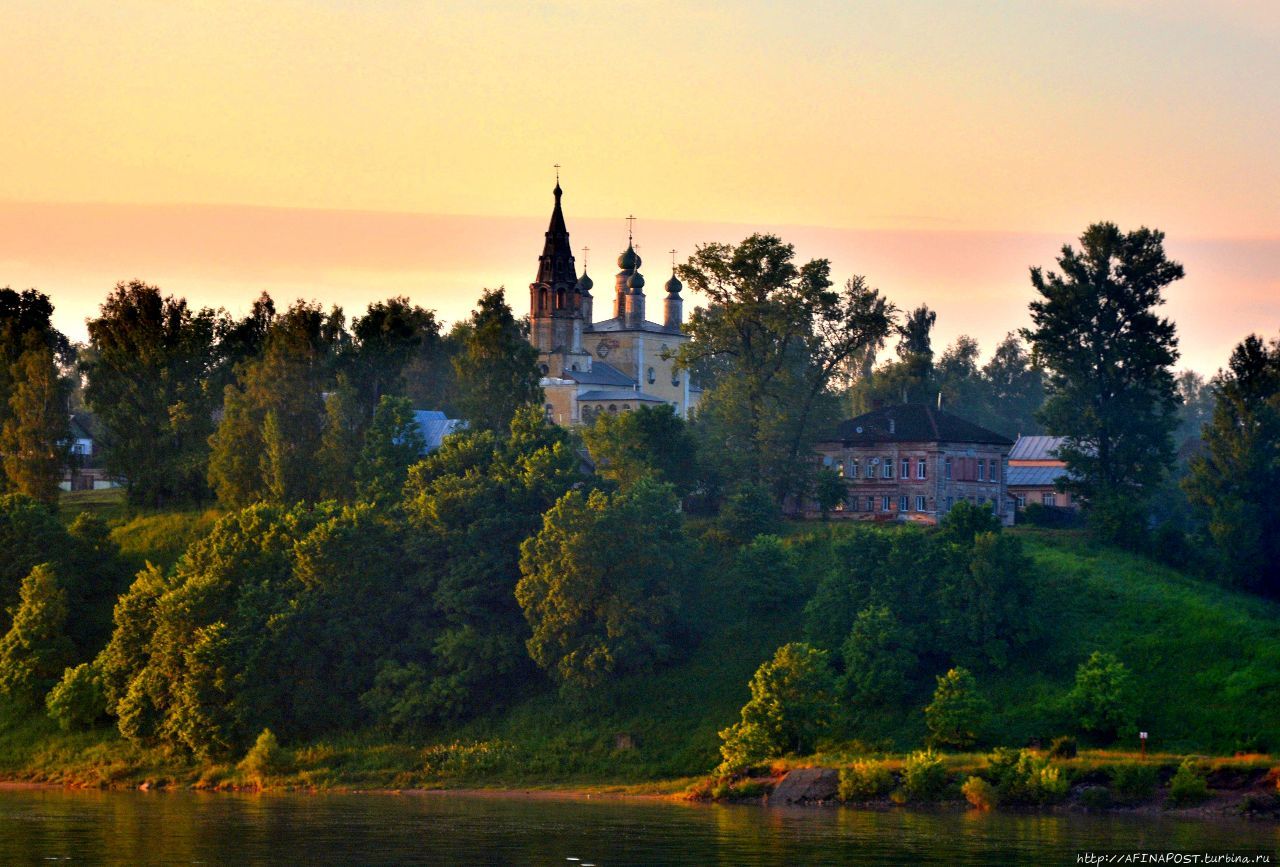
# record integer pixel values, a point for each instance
(266, 758)
(1095, 798)
(1022, 777)
(978, 792)
(923, 776)
(1133, 782)
(1100, 699)
(1188, 785)
(957, 713)
(1063, 747)
(863, 781)
(766, 573)
(77, 701)
(749, 511)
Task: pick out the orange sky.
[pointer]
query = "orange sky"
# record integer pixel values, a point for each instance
(327, 148)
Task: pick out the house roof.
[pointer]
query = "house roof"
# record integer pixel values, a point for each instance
(435, 426)
(1035, 448)
(600, 374)
(1033, 477)
(618, 324)
(914, 422)
(619, 394)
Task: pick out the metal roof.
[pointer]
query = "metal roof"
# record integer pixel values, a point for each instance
(435, 426)
(1036, 448)
(620, 394)
(600, 374)
(1033, 477)
(619, 324)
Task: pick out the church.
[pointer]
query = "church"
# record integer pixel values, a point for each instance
(614, 365)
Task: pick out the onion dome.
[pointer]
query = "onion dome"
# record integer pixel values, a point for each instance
(636, 281)
(673, 286)
(629, 260)
(585, 283)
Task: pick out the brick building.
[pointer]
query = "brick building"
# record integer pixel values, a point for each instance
(914, 462)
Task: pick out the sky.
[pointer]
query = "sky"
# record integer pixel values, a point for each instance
(347, 151)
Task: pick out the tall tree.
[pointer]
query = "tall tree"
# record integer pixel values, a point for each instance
(36, 649)
(915, 349)
(1015, 388)
(1234, 481)
(786, 336)
(650, 442)
(148, 385)
(392, 443)
(26, 324)
(1108, 356)
(497, 366)
(384, 341)
(34, 438)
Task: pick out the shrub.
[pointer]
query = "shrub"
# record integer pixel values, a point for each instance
(1063, 747)
(863, 781)
(923, 776)
(957, 713)
(1188, 785)
(77, 701)
(978, 792)
(265, 758)
(1100, 699)
(766, 573)
(1095, 798)
(1022, 777)
(749, 512)
(1133, 782)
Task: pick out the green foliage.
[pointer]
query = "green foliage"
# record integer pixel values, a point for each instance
(980, 794)
(1022, 777)
(34, 432)
(1233, 483)
(791, 705)
(392, 443)
(749, 511)
(766, 573)
(1063, 747)
(36, 649)
(879, 658)
(1132, 782)
(924, 776)
(829, 491)
(601, 583)
(1108, 355)
(496, 368)
(958, 713)
(1101, 699)
(77, 701)
(865, 781)
(340, 443)
(266, 758)
(651, 441)
(965, 521)
(151, 388)
(30, 534)
(1188, 786)
(781, 336)
(1095, 797)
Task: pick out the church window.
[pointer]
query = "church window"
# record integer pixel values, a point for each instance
(653, 377)
(545, 369)
(613, 407)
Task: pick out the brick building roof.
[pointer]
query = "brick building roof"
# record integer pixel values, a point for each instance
(913, 422)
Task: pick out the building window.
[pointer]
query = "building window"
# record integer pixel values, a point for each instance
(995, 471)
(871, 504)
(904, 503)
(982, 469)
(549, 411)
(613, 407)
(853, 468)
(886, 469)
(1049, 499)
(840, 468)
(919, 504)
(871, 470)
(1022, 501)
(906, 468)
(951, 501)
(885, 503)
(626, 407)
(921, 468)
(947, 465)
(542, 367)
(653, 377)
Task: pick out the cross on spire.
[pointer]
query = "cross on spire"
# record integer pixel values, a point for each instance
(631, 221)
(586, 253)
(672, 251)
(557, 174)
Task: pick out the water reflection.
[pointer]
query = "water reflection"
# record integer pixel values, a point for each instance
(195, 827)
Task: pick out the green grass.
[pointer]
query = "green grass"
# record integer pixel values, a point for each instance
(1206, 664)
(161, 537)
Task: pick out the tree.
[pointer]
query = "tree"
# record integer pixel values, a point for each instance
(340, 443)
(649, 442)
(792, 704)
(1100, 698)
(497, 366)
(915, 349)
(829, 491)
(1015, 388)
(77, 701)
(786, 337)
(148, 371)
(34, 437)
(601, 583)
(26, 328)
(392, 443)
(385, 340)
(1108, 356)
(879, 658)
(958, 712)
(1234, 482)
(36, 650)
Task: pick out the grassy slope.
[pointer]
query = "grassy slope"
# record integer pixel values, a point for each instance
(1206, 663)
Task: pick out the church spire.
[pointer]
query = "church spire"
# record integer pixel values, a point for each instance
(555, 265)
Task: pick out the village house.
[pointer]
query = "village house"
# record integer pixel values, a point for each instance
(914, 463)
(1034, 470)
(84, 470)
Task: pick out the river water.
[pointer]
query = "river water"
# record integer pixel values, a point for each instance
(49, 825)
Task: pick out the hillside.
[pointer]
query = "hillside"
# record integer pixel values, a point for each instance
(1206, 663)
